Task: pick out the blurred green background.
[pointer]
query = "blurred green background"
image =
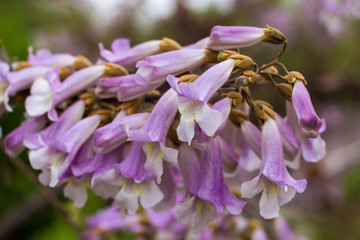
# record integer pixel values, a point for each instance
(323, 45)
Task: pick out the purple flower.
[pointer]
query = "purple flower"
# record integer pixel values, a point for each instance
(193, 98)
(309, 122)
(53, 149)
(212, 194)
(274, 180)
(154, 69)
(312, 149)
(224, 37)
(126, 56)
(47, 93)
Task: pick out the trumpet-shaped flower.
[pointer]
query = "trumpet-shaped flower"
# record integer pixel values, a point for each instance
(224, 37)
(193, 98)
(274, 180)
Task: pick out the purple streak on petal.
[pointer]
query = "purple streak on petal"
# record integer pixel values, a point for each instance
(190, 168)
(273, 165)
(309, 122)
(212, 186)
(158, 124)
(133, 164)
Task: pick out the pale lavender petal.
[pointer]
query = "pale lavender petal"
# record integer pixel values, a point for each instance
(224, 37)
(285, 196)
(44, 57)
(269, 206)
(155, 68)
(150, 194)
(76, 191)
(251, 188)
(124, 55)
(127, 197)
(209, 82)
(313, 149)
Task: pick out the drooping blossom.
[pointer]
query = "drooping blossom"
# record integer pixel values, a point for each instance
(274, 181)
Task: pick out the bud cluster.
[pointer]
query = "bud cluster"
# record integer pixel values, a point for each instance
(117, 128)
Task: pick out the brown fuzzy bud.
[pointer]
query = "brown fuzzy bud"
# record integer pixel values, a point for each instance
(168, 44)
(237, 117)
(188, 78)
(211, 55)
(285, 90)
(236, 96)
(115, 70)
(293, 76)
(274, 36)
(132, 106)
(244, 62)
(64, 73)
(81, 62)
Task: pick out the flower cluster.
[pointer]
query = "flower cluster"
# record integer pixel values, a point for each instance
(117, 128)
(149, 224)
